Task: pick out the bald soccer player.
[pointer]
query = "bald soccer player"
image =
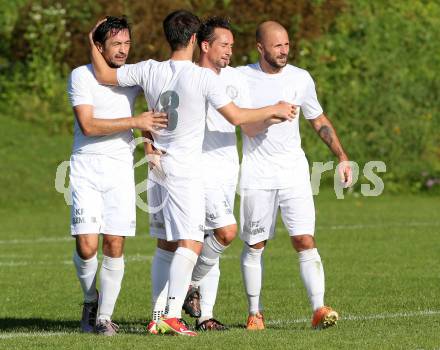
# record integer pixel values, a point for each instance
(275, 174)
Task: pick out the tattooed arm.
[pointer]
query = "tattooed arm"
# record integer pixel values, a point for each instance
(327, 133)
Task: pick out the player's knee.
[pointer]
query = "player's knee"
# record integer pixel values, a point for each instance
(303, 242)
(86, 252)
(226, 235)
(165, 245)
(113, 246)
(86, 246)
(259, 245)
(193, 245)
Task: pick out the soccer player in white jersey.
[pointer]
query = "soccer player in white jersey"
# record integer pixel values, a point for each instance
(275, 174)
(101, 175)
(182, 90)
(220, 168)
(220, 174)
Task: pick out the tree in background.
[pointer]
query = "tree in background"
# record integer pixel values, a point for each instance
(375, 65)
(376, 74)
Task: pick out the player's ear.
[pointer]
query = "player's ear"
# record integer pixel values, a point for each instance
(193, 38)
(260, 48)
(204, 46)
(99, 47)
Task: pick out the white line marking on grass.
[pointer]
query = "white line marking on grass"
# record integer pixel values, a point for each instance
(36, 240)
(48, 240)
(47, 263)
(363, 318)
(32, 334)
(321, 227)
(366, 226)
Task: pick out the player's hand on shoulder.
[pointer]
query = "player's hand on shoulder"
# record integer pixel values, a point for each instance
(151, 121)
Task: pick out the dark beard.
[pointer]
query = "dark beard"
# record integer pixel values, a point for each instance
(272, 62)
(113, 65)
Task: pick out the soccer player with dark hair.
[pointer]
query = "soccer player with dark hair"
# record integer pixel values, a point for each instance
(101, 175)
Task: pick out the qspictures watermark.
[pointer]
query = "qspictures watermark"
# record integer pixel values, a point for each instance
(373, 187)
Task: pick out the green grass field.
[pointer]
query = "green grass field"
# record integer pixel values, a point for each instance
(381, 259)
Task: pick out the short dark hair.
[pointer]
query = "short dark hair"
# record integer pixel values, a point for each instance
(206, 31)
(112, 25)
(178, 27)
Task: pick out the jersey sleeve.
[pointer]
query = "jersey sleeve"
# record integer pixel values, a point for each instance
(79, 88)
(133, 74)
(215, 90)
(310, 105)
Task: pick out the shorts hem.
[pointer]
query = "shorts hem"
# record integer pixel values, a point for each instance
(223, 222)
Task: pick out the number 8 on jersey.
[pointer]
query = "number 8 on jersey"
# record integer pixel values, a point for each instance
(170, 101)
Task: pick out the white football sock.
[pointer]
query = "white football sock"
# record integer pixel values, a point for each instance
(208, 292)
(160, 273)
(252, 270)
(207, 259)
(112, 271)
(86, 272)
(180, 277)
(312, 274)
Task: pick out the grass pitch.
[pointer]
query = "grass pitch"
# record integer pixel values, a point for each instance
(381, 259)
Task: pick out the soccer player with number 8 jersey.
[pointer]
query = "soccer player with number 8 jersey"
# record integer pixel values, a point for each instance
(182, 89)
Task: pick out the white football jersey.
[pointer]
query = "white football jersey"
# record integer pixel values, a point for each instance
(109, 102)
(183, 90)
(220, 157)
(269, 157)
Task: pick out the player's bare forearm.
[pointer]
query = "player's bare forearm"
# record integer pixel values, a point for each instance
(239, 116)
(101, 127)
(252, 130)
(91, 126)
(103, 73)
(324, 128)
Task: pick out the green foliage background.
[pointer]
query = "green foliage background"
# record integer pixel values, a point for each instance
(375, 64)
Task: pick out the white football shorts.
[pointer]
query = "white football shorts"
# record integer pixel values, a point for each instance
(259, 208)
(177, 209)
(103, 195)
(219, 207)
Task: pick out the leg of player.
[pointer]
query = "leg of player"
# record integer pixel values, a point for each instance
(160, 273)
(86, 264)
(312, 274)
(252, 270)
(111, 274)
(220, 231)
(214, 245)
(208, 290)
(258, 211)
(182, 265)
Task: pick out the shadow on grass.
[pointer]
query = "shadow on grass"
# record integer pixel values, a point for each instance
(16, 325)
